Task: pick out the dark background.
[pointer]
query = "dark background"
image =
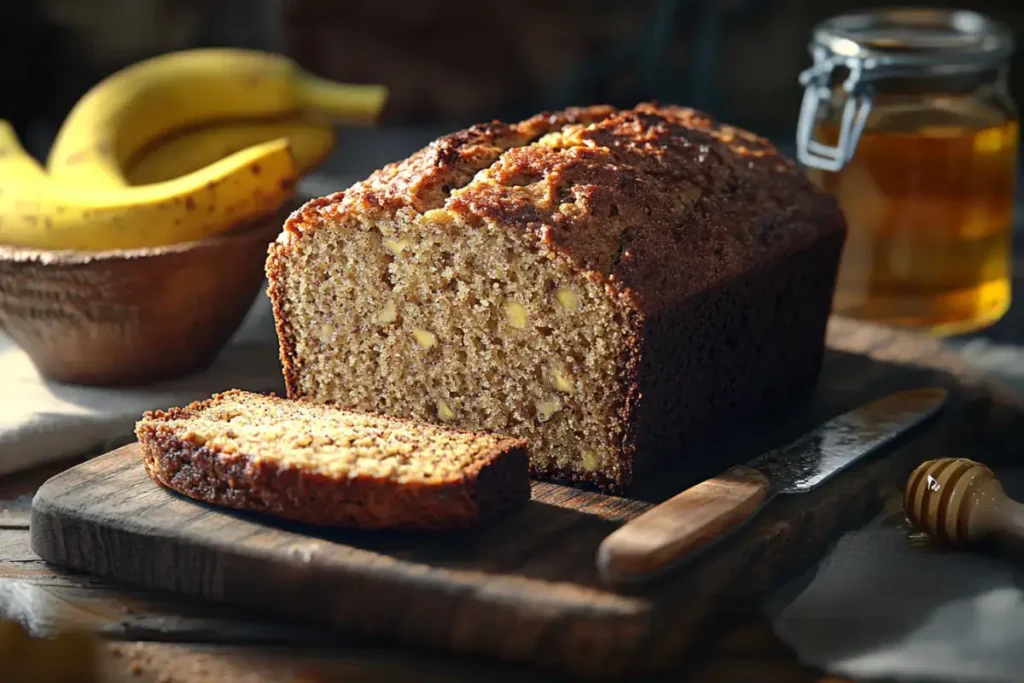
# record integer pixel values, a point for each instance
(449, 62)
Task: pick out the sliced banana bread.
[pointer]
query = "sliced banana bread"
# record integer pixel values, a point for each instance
(609, 284)
(323, 465)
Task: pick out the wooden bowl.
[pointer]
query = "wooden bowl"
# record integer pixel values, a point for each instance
(131, 316)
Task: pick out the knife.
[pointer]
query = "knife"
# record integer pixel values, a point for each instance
(667, 533)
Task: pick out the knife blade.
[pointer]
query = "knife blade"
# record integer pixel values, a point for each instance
(656, 540)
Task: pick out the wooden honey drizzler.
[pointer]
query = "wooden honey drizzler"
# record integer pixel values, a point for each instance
(960, 502)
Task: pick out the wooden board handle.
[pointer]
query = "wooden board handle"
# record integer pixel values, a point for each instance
(681, 525)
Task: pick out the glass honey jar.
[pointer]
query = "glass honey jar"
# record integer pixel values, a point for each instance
(907, 120)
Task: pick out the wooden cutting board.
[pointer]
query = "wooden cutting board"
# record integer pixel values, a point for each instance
(526, 588)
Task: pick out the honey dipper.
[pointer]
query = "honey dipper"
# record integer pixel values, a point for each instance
(960, 502)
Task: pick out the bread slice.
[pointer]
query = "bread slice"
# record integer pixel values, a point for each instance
(327, 466)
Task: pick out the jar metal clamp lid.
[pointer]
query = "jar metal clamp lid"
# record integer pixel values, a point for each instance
(855, 51)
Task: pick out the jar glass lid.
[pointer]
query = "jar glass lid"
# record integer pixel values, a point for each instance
(916, 36)
(854, 51)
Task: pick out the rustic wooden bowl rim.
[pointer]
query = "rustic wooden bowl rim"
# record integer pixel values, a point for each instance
(75, 257)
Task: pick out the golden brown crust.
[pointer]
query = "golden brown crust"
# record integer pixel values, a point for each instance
(661, 201)
(282, 321)
(243, 481)
(426, 179)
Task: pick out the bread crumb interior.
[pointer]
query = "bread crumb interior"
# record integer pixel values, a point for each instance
(320, 439)
(428, 318)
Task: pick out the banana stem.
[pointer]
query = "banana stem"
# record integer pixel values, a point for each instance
(347, 102)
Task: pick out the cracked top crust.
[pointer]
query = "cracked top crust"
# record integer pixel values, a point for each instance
(658, 201)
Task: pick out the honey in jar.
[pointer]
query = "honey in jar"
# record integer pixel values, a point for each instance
(921, 152)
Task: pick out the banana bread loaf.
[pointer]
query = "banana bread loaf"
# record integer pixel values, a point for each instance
(323, 465)
(608, 284)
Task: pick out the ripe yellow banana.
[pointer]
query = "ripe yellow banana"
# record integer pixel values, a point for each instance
(15, 162)
(153, 98)
(41, 212)
(189, 150)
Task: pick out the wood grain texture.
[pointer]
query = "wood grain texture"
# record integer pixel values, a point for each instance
(16, 492)
(682, 525)
(179, 663)
(47, 600)
(163, 639)
(526, 589)
(131, 316)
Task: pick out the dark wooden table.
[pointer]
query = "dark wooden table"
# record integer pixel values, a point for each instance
(152, 637)
(155, 638)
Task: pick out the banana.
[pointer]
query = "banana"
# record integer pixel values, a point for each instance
(153, 98)
(41, 212)
(15, 162)
(189, 150)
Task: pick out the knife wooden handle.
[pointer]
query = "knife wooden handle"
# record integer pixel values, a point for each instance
(681, 525)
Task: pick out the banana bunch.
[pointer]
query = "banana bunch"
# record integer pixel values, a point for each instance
(176, 148)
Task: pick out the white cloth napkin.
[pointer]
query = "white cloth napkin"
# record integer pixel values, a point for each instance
(885, 605)
(43, 421)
